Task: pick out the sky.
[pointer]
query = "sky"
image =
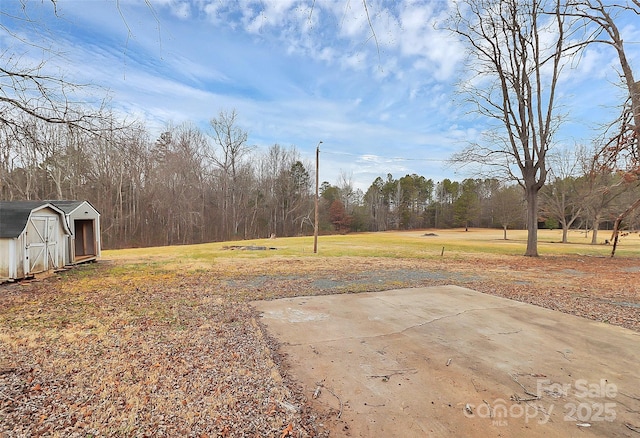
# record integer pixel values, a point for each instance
(375, 81)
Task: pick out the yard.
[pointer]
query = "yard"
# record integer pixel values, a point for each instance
(164, 342)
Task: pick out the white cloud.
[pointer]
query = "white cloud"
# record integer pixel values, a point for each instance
(437, 50)
(181, 10)
(355, 61)
(294, 77)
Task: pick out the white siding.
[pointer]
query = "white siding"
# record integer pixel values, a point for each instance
(39, 248)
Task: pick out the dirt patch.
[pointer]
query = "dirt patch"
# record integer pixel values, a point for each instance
(140, 349)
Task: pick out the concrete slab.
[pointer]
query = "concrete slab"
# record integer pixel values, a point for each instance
(449, 361)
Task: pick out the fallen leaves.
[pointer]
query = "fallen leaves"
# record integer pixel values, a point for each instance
(169, 354)
(147, 374)
(287, 431)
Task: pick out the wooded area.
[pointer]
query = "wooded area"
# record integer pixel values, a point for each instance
(190, 186)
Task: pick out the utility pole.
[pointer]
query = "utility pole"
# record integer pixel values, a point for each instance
(317, 218)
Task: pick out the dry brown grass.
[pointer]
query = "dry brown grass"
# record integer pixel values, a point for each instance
(155, 344)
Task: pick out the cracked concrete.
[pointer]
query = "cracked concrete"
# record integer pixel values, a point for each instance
(448, 361)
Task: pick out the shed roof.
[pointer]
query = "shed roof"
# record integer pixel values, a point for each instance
(66, 206)
(70, 206)
(15, 214)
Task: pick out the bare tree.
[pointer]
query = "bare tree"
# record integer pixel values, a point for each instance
(376, 207)
(508, 204)
(603, 189)
(564, 197)
(31, 90)
(231, 147)
(622, 151)
(285, 188)
(515, 59)
(605, 16)
(273, 166)
(178, 182)
(347, 191)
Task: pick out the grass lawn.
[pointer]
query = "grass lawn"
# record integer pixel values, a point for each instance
(408, 244)
(164, 341)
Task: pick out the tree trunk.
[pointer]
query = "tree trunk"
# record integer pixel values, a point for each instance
(596, 227)
(532, 220)
(616, 225)
(504, 228)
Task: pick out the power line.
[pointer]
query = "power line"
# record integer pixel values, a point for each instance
(383, 157)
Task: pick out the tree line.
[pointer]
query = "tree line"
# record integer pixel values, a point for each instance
(191, 185)
(183, 187)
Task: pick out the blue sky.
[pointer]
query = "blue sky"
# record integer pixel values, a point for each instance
(297, 75)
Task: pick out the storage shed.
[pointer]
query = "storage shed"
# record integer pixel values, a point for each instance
(33, 238)
(84, 223)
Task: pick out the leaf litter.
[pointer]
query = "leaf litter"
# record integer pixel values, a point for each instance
(108, 351)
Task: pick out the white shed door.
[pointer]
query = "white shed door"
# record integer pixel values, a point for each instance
(42, 244)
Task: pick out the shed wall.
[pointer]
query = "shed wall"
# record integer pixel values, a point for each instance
(40, 247)
(84, 244)
(7, 259)
(12, 253)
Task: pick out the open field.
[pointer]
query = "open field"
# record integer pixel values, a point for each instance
(409, 244)
(163, 342)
